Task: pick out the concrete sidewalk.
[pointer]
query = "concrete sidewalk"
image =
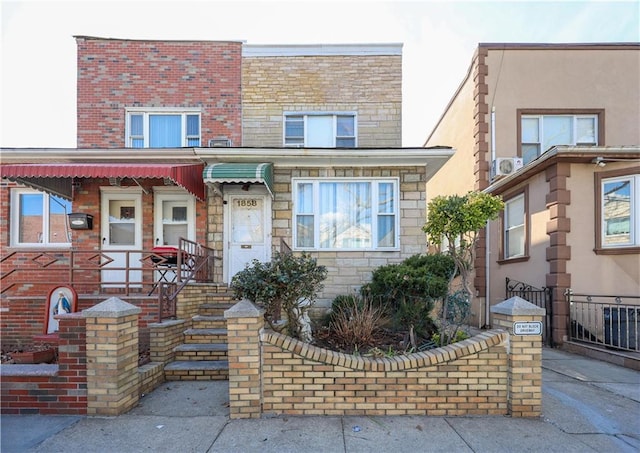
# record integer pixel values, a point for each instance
(588, 405)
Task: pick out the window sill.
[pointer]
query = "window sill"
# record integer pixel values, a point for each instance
(519, 259)
(632, 250)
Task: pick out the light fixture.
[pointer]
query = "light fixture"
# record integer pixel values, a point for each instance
(599, 161)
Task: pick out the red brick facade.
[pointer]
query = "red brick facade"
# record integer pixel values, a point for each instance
(114, 74)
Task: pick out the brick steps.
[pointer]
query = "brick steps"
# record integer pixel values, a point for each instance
(203, 355)
(187, 370)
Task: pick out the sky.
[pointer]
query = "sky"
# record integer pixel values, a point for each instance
(38, 50)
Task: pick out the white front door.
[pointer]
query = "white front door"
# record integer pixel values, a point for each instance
(248, 229)
(121, 227)
(174, 217)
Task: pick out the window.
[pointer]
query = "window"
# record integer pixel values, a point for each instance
(162, 128)
(346, 214)
(514, 226)
(541, 132)
(320, 130)
(617, 210)
(38, 218)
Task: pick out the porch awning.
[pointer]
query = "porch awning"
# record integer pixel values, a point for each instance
(261, 173)
(57, 178)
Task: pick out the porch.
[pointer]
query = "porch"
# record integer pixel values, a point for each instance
(150, 279)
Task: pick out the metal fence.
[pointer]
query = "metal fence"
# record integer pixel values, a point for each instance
(608, 321)
(540, 297)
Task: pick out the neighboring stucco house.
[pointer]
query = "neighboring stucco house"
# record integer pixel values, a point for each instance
(242, 149)
(554, 130)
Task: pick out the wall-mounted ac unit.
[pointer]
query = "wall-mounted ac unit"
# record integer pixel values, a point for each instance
(221, 142)
(503, 166)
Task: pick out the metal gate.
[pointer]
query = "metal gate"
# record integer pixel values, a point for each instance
(541, 297)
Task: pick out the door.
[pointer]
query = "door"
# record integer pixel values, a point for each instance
(248, 229)
(174, 218)
(121, 227)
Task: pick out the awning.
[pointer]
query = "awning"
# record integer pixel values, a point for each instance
(261, 173)
(57, 178)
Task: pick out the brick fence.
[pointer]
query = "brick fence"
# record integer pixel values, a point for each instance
(494, 373)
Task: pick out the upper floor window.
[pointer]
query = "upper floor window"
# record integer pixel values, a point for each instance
(320, 130)
(541, 132)
(161, 128)
(38, 218)
(618, 213)
(342, 214)
(514, 226)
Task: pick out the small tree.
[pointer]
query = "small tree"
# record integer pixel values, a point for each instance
(457, 220)
(282, 284)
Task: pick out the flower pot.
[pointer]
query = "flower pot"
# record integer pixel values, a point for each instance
(44, 356)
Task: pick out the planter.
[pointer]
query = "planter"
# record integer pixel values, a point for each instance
(44, 356)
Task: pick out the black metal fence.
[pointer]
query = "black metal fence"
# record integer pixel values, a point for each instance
(540, 297)
(608, 321)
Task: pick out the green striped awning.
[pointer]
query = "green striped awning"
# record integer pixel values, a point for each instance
(261, 173)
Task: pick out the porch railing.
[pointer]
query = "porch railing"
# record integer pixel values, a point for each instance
(607, 321)
(540, 297)
(97, 273)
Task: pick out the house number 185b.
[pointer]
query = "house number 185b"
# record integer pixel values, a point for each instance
(246, 203)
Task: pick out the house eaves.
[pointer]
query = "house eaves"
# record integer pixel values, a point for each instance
(573, 154)
(432, 158)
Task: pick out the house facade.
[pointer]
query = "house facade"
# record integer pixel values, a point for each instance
(244, 150)
(552, 129)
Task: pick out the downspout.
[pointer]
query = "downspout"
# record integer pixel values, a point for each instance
(487, 236)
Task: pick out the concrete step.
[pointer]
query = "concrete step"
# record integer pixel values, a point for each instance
(214, 309)
(200, 352)
(197, 371)
(209, 322)
(205, 336)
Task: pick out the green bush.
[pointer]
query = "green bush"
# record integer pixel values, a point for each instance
(280, 285)
(408, 290)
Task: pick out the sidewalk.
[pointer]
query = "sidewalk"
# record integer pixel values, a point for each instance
(588, 405)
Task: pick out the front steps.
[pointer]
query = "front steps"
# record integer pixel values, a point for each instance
(203, 355)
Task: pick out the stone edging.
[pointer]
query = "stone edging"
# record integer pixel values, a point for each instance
(415, 360)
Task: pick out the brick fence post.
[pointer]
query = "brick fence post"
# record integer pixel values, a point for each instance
(112, 357)
(523, 321)
(245, 323)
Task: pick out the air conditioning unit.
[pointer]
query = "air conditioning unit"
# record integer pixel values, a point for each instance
(221, 142)
(504, 166)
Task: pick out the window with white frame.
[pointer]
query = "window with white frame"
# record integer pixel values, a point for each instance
(346, 214)
(541, 132)
(514, 227)
(619, 197)
(162, 128)
(320, 130)
(38, 218)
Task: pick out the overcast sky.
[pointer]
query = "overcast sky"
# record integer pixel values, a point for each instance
(39, 52)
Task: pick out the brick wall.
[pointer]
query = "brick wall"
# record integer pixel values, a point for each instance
(370, 85)
(51, 389)
(116, 73)
(466, 378)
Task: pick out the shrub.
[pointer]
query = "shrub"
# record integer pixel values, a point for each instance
(408, 290)
(282, 284)
(355, 322)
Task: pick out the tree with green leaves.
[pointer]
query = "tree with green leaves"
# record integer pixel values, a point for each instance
(456, 220)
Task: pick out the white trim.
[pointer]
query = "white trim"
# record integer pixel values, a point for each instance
(300, 50)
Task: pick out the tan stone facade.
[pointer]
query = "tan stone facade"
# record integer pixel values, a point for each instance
(277, 82)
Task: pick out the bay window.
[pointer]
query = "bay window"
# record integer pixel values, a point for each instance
(346, 214)
(163, 128)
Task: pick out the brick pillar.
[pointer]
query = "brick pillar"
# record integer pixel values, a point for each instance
(72, 361)
(112, 357)
(245, 323)
(520, 318)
